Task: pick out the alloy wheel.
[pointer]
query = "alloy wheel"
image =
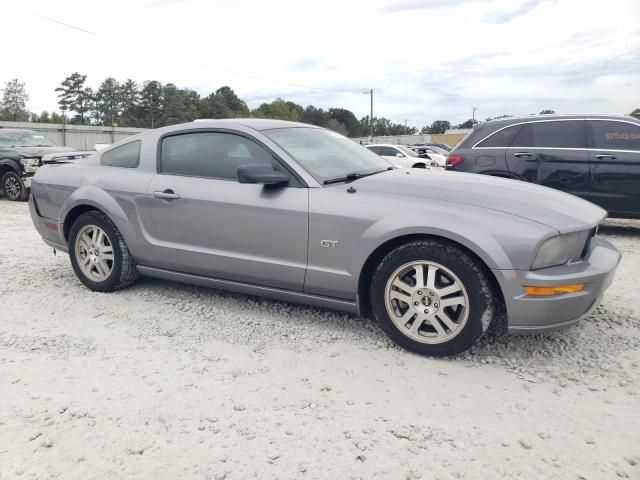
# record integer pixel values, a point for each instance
(94, 253)
(427, 302)
(12, 187)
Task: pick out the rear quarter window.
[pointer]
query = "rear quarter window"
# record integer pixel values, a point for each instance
(501, 138)
(124, 156)
(612, 135)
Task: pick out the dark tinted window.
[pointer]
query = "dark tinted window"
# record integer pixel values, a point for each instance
(211, 154)
(389, 152)
(503, 138)
(375, 150)
(524, 137)
(570, 134)
(611, 135)
(126, 156)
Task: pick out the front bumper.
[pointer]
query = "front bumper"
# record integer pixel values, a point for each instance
(26, 179)
(534, 314)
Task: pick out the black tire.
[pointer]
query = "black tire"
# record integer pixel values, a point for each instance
(123, 272)
(12, 181)
(483, 302)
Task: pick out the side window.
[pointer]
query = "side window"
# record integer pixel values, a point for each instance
(211, 155)
(524, 137)
(611, 135)
(503, 138)
(560, 134)
(125, 156)
(375, 150)
(389, 152)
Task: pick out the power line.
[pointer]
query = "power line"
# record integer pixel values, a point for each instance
(212, 67)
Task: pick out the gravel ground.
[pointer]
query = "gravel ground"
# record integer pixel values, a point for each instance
(170, 381)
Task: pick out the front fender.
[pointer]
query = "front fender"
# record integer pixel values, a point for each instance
(501, 241)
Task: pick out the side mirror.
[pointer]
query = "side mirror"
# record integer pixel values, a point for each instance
(399, 155)
(261, 173)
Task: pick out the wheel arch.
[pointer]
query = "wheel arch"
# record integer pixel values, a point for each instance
(73, 215)
(92, 198)
(375, 257)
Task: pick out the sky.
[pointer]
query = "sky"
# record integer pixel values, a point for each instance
(425, 60)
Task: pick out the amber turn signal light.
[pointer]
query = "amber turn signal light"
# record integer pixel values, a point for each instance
(546, 291)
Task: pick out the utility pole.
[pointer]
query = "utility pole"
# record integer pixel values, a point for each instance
(370, 92)
(473, 115)
(371, 117)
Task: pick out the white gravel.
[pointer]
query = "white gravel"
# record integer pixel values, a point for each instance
(170, 381)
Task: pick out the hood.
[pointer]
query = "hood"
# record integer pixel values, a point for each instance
(35, 152)
(553, 208)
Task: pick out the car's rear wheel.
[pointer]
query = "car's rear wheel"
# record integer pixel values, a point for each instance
(14, 188)
(433, 298)
(99, 255)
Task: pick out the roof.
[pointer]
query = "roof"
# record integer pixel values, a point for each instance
(568, 116)
(255, 123)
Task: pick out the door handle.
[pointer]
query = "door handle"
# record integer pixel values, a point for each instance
(610, 157)
(522, 154)
(166, 195)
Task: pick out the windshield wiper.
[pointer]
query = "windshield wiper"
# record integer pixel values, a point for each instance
(354, 176)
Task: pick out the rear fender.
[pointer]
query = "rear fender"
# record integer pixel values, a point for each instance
(97, 198)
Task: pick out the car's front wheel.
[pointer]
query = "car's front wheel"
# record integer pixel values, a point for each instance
(14, 187)
(433, 298)
(99, 255)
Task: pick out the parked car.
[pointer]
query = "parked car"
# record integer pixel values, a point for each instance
(437, 154)
(21, 152)
(402, 156)
(442, 146)
(596, 157)
(300, 213)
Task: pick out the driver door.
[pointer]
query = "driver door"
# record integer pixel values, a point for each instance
(207, 223)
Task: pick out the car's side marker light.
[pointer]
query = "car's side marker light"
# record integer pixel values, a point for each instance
(546, 291)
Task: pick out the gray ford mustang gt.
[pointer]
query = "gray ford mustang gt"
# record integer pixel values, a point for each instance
(302, 214)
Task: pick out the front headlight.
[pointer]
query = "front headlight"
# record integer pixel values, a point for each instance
(30, 164)
(559, 250)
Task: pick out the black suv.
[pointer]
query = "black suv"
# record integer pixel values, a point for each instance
(596, 157)
(21, 152)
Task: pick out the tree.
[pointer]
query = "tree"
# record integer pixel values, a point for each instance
(636, 113)
(336, 126)
(224, 103)
(279, 109)
(425, 130)
(75, 96)
(314, 116)
(439, 127)
(13, 105)
(108, 102)
(150, 104)
(178, 105)
(547, 112)
(348, 120)
(468, 124)
(129, 100)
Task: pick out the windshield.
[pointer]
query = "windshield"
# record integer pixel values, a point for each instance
(24, 139)
(406, 150)
(326, 154)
